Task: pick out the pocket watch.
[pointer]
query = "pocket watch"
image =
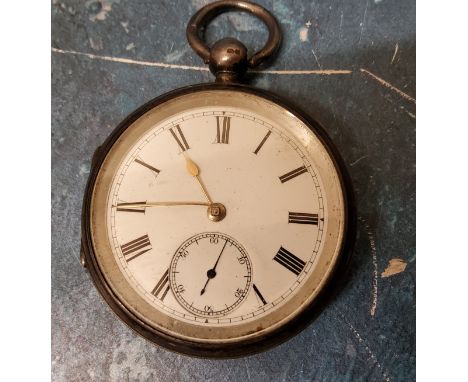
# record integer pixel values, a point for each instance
(217, 218)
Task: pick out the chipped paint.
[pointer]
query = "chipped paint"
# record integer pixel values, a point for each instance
(96, 43)
(304, 34)
(199, 3)
(394, 267)
(84, 169)
(99, 8)
(263, 82)
(244, 24)
(175, 56)
(128, 355)
(125, 26)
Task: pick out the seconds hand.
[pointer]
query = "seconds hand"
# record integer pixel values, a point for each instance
(212, 272)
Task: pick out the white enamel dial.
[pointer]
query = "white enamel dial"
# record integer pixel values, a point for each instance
(269, 242)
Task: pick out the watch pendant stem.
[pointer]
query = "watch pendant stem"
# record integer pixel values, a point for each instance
(228, 60)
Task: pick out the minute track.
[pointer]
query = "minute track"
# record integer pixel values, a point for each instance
(187, 124)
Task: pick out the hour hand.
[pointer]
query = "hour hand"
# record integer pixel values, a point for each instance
(193, 170)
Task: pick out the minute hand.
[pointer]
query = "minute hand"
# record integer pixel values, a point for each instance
(161, 204)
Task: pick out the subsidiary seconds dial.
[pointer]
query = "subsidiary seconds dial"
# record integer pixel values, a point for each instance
(210, 274)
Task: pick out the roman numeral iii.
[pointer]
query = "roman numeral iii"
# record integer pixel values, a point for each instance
(222, 134)
(303, 218)
(179, 137)
(292, 174)
(289, 261)
(136, 247)
(162, 287)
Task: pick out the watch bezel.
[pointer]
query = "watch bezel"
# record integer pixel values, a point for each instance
(242, 347)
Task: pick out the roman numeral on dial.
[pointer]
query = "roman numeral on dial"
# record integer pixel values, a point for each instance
(303, 218)
(292, 174)
(136, 247)
(122, 207)
(289, 261)
(179, 137)
(162, 287)
(222, 136)
(259, 295)
(262, 142)
(148, 166)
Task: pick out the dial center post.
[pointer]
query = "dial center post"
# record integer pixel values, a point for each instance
(216, 212)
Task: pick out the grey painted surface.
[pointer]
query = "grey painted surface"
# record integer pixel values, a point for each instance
(373, 126)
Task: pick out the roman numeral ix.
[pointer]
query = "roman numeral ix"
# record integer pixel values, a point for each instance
(289, 261)
(180, 138)
(303, 218)
(162, 286)
(123, 207)
(136, 247)
(222, 136)
(292, 174)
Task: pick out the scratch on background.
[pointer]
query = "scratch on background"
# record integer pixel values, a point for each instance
(388, 85)
(363, 22)
(197, 68)
(374, 262)
(358, 160)
(130, 61)
(369, 351)
(316, 59)
(401, 107)
(247, 369)
(394, 54)
(341, 25)
(409, 113)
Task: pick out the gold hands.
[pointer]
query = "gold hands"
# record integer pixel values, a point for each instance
(215, 212)
(193, 170)
(160, 204)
